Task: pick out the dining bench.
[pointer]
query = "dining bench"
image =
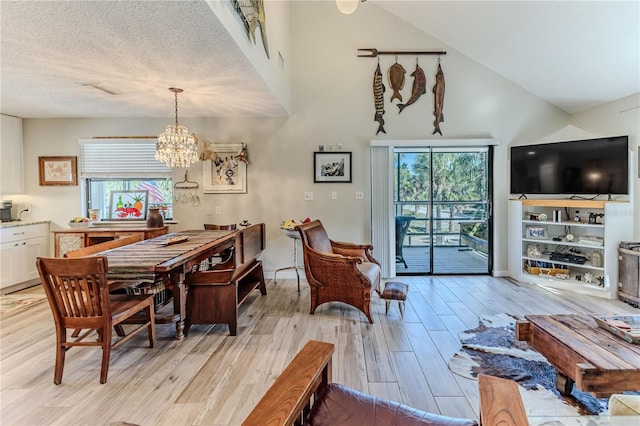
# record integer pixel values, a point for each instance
(214, 295)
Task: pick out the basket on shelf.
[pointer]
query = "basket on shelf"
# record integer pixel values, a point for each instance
(161, 294)
(536, 270)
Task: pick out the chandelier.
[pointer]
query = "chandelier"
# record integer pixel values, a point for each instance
(176, 147)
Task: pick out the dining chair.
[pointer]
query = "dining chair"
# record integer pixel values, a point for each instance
(78, 294)
(402, 226)
(114, 285)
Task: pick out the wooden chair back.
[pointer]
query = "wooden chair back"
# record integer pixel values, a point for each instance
(214, 227)
(107, 245)
(77, 291)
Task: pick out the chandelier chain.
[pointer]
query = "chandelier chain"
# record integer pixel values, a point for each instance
(176, 95)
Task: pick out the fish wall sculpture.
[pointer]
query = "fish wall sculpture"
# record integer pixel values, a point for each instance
(251, 13)
(378, 97)
(438, 100)
(395, 75)
(419, 87)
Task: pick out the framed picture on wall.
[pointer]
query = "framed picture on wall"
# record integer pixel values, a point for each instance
(331, 167)
(58, 171)
(223, 172)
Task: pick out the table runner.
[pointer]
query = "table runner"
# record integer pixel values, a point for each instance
(138, 261)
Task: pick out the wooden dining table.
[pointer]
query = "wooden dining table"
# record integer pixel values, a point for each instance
(168, 258)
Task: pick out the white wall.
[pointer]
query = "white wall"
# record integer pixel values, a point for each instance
(332, 102)
(277, 18)
(621, 117)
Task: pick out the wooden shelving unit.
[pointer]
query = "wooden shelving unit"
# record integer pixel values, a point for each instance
(610, 230)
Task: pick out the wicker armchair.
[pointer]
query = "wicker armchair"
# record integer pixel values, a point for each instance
(338, 271)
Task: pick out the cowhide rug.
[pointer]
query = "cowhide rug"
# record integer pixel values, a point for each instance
(492, 349)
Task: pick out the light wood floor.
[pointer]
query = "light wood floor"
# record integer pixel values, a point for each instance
(210, 378)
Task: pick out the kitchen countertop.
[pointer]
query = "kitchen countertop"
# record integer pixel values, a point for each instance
(17, 223)
(114, 228)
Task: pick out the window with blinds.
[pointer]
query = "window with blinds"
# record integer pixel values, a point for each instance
(120, 158)
(108, 165)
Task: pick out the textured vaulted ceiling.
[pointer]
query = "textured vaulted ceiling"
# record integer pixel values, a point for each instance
(574, 54)
(137, 48)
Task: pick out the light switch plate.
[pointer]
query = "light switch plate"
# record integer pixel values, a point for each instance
(359, 195)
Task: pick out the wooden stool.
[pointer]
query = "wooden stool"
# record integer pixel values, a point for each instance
(394, 290)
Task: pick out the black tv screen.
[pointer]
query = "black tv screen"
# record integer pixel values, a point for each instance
(590, 166)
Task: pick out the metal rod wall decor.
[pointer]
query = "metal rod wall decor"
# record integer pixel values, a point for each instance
(372, 53)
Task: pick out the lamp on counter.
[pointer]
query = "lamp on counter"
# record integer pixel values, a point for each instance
(176, 147)
(347, 7)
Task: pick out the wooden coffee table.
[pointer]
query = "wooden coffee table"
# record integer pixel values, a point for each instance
(594, 359)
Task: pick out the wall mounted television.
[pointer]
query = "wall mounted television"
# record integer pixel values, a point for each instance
(588, 166)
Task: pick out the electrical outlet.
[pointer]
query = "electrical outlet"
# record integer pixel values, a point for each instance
(308, 196)
(359, 195)
(27, 207)
(334, 195)
(218, 210)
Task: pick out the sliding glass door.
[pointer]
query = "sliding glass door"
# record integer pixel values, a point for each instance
(442, 204)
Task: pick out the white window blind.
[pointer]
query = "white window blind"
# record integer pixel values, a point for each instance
(117, 158)
(382, 218)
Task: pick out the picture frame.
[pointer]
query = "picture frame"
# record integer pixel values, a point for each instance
(536, 232)
(128, 205)
(223, 172)
(331, 167)
(58, 170)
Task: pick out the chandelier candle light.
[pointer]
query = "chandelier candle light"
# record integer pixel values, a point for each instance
(176, 147)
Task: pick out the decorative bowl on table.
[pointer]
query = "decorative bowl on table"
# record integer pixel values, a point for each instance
(288, 227)
(79, 222)
(291, 233)
(290, 224)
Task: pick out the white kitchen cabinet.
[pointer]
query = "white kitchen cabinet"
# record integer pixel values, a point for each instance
(579, 256)
(19, 247)
(11, 155)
